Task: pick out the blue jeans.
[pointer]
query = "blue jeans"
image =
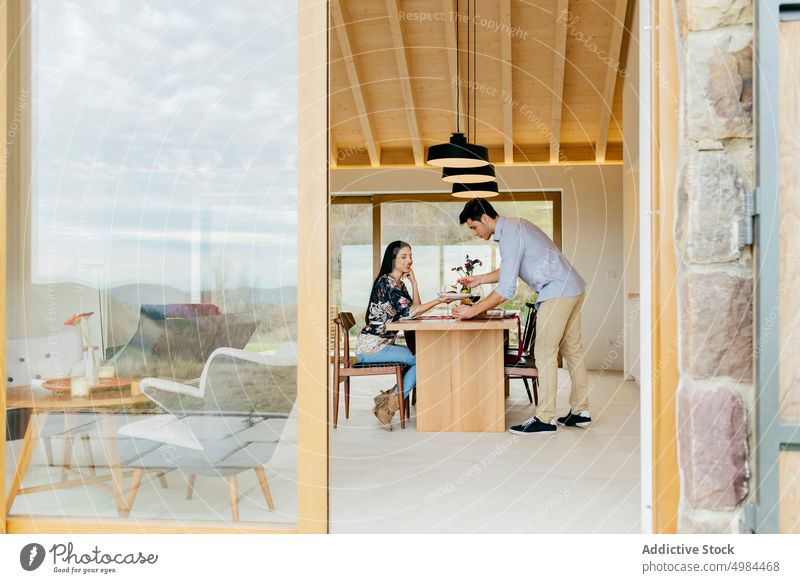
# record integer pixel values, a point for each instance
(392, 353)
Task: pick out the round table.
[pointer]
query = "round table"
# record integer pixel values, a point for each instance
(42, 402)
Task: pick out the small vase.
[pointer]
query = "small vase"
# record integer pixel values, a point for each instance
(89, 362)
(466, 301)
(90, 365)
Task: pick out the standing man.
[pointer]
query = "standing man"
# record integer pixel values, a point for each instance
(526, 252)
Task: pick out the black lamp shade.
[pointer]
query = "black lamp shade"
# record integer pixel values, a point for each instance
(469, 175)
(478, 190)
(458, 154)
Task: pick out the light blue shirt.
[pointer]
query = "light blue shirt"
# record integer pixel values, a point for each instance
(528, 253)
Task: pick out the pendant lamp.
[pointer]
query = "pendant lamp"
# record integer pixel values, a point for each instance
(455, 174)
(479, 190)
(468, 175)
(458, 152)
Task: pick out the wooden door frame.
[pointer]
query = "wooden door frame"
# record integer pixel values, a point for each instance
(659, 141)
(3, 269)
(312, 381)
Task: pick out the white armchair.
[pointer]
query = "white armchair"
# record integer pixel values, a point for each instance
(286, 355)
(221, 432)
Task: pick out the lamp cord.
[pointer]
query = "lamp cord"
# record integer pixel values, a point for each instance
(474, 74)
(469, 105)
(458, 72)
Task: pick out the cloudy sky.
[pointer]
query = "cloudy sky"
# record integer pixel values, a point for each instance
(164, 137)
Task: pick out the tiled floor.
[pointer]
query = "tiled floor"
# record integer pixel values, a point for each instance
(576, 481)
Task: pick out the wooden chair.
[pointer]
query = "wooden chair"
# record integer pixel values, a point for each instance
(345, 366)
(520, 364)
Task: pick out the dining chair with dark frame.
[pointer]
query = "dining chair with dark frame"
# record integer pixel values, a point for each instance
(520, 363)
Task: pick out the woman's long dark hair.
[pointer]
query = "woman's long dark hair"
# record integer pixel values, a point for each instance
(387, 265)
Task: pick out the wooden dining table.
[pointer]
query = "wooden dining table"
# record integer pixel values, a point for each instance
(460, 372)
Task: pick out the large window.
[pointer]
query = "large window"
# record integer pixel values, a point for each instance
(430, 224)
(164, 201)
(352, 256)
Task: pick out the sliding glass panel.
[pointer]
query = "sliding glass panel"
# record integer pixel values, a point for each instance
(163, 260)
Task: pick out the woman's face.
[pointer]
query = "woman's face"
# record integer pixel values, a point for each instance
(403, 261)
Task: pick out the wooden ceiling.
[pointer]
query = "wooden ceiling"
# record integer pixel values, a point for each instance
(549, 80)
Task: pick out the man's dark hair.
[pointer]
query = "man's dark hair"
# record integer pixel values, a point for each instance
(475, 209)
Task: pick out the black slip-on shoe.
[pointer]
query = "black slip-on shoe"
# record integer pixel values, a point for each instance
(582, 419)
(533, 426)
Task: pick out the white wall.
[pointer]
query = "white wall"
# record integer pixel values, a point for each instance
(591, 232)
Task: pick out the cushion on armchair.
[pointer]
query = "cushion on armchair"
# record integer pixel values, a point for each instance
(167, 429)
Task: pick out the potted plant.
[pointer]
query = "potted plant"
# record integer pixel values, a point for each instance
(465, 271)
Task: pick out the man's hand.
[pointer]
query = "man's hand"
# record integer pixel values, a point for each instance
(470, 280)
(464, 312)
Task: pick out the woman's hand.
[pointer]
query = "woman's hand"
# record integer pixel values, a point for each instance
(470, 281)
(411, 277)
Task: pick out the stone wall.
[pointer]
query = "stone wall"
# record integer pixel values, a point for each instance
(716, 396)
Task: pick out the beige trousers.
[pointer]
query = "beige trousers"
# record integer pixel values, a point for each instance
(558, 325)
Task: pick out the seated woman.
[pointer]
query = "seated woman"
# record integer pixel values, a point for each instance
(389, 302)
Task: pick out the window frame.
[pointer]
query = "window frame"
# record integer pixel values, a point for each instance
(378, 200)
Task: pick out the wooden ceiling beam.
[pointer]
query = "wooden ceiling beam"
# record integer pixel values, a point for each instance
(405, 82)
(612, 72)
(505, 56)
(559, 62)
(456, 91)
(345, 46)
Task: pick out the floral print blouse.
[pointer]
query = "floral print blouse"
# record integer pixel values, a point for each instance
(388, 302)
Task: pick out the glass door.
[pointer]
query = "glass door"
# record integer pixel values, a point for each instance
(153, 343)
